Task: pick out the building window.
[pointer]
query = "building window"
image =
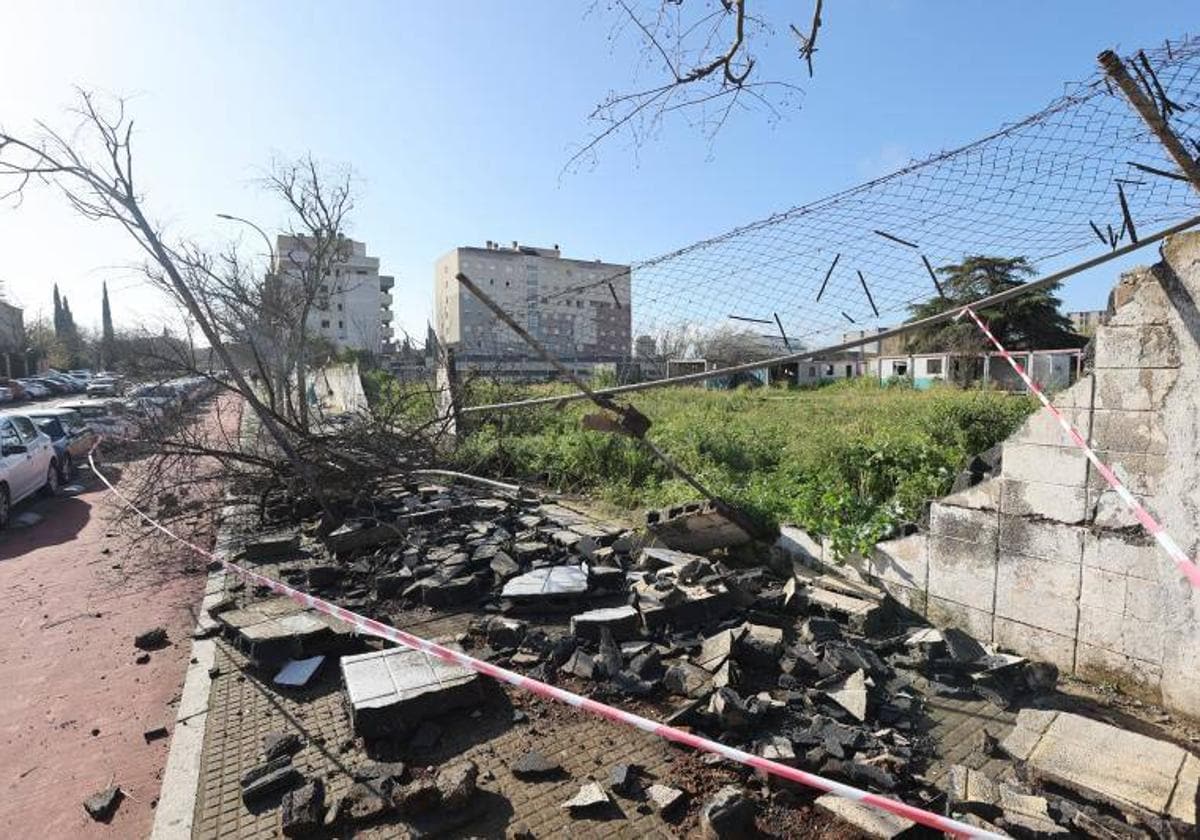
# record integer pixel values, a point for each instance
(849, 371)
(933, 367)
(339, 307)
(325, 324)
(360, 271)
(829, 370)
(341, 325)
(900, 368)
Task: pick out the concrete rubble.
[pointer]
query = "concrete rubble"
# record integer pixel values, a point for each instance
(798, 665)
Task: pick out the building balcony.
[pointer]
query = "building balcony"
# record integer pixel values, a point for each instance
(386, 282)
(386, 331)
(385, 299)
(385, 315)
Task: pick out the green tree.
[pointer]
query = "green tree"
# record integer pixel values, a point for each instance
(106, 325)
(58, 312)
(1029, 322)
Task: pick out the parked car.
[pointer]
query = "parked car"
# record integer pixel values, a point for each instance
(35, 389)
(6, 394)
(103, 386)
(106, 417)
(27, 463)
(164, 396)
(18, 390)
(71, 435)
(81, 373)
(71, 386)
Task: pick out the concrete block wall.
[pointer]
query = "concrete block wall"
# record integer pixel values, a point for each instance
(1045, 560)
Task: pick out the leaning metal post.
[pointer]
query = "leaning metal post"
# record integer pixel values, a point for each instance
(1155, 120)
(633, 423)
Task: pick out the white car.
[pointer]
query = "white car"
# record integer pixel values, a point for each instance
(27, 463)
(109, 418)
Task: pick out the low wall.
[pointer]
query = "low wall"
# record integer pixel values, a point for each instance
(1045, 560)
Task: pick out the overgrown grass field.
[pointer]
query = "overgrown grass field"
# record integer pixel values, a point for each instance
(852, 461)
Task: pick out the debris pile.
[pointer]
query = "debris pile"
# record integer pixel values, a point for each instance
(799, 666)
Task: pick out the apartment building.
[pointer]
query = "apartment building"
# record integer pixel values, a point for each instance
(578, 309)
(354, 307)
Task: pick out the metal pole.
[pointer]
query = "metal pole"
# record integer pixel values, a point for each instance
(1150, 114)
(940, 318)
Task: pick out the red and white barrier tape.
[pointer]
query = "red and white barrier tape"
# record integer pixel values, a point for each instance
(370, 627)
(1185, 564)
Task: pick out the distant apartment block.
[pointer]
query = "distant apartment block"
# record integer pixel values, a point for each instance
(578, 309)
(1085, 322)
(354, 305)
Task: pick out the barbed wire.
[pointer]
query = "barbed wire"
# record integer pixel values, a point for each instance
(1082, 176)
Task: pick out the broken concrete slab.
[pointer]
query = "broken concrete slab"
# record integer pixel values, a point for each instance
(851, 694)
(591, 796)
(357, 534)
(716, 649)
(392, 690)
(297, 672)
(271, 545)
(697, 527)
(687, 680)
(285, 777)
(728, 815)
(303, 810)
(665, 800)
(276, 744)
(859, 614)
(1149, 776)
(623, 622)
(690, 605)
(759, 645)
(867, 819)
(1029, 813)
(101, 806)
(549, 583)
(972, 790)
(534, 765)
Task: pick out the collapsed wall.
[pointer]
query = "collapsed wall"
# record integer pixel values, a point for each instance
(1044, 559)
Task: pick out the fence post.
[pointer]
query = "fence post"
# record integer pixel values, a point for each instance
(1151, 115)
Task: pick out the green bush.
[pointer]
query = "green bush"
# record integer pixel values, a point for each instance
(851, 461)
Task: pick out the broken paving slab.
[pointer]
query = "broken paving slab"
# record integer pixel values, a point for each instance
(547, 585)
(623, 622)
(354, 535)
(1107, 764)
(868, 819)
(683, 605)
(851, 695)
(861, 614)
(390, 691)
(699, 527)
(270, 546)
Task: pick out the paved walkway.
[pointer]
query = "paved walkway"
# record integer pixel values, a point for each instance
(75, 704)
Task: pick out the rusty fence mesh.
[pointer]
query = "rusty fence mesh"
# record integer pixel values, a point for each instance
(1083, 176)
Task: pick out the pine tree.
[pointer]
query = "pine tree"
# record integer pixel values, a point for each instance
(106, 324)
(58, 319)
(68, 320)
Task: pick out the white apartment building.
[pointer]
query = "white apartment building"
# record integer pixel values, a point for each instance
(354, 308)
(578, 309)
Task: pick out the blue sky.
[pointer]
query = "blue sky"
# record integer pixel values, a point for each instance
(459, 117)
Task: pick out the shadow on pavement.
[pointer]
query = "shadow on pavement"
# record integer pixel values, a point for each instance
(61, 519)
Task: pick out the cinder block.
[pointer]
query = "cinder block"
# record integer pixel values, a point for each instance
(1123, 634)
(1035, 642)
(800, 545)
(1079, 395)
(962, 572)
(1040, 593)
(1100, 628)
(1128, 431)
(1138, 471)
(1140, 300)
(1144, 599)
(1048, 501)
(1147, 346)
(916, 600)
(983, 496)
(1051, 464)
(1042, 428)
(1136, 555)
(962, 523)
(1103, 590)
(1108, 510)
(1040, 538)
(1130, 389)
(1132, 675)
(904, 561)
(942, 613)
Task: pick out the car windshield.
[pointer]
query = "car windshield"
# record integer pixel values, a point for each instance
(92, 411)
(51, 426)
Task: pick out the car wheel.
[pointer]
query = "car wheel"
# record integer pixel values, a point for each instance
(68, 469)
(50, 488)
(5, 506)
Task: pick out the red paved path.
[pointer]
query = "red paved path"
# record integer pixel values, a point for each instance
(73, 703)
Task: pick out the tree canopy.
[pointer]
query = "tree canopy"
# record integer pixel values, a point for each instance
(1029, 322)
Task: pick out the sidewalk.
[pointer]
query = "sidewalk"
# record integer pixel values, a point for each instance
(76, 704)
